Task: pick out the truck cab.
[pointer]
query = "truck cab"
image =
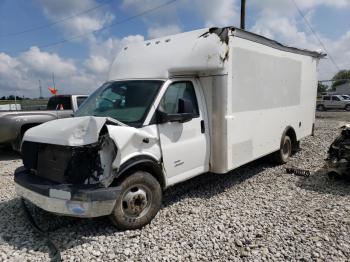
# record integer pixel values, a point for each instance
(161, 125)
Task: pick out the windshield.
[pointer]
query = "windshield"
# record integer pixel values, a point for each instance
(126, 101)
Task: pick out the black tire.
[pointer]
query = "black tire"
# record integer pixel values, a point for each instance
(347, 107)
(138, 202)
(16, 144)
(321, 108)
(283, 155)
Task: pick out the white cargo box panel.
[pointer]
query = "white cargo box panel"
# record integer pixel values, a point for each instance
(182, 54)
(268, 88)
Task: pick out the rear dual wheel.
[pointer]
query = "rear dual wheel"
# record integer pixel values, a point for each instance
(283, 155)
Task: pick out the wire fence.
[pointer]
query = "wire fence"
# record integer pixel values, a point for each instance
(23, 104)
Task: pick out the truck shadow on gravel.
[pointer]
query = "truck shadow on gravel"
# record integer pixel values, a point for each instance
(320, 182)
(208, 185)
(68, 232)
(65, 232)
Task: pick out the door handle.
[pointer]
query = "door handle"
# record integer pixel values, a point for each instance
(202, 127)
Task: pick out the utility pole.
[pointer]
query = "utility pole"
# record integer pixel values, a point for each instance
(243, 14)
(40, 90)
(53, 80)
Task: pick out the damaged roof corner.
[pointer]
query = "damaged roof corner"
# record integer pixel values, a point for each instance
(221, 32)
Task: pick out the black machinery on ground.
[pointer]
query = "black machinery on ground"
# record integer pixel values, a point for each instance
(338, 160)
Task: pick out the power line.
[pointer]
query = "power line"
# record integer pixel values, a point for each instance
(315, 34)
(100, 29)
(55, 22)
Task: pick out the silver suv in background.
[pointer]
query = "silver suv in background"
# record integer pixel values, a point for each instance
(333, 102)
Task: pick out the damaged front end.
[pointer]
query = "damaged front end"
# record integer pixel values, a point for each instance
(68, 167)
(338, 160)
(88, 164)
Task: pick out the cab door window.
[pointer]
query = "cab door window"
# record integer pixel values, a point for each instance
(176, 91)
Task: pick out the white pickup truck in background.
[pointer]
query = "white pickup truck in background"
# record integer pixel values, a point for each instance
(333, 102)
(175, 107)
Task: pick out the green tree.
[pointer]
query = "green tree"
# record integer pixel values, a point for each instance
(339, 78)
(321, 88)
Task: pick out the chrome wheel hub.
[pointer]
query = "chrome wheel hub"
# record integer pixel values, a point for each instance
(135, 201)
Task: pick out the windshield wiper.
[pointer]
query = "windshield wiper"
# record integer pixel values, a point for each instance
(114, 122)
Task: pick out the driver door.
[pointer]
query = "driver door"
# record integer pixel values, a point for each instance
(184, 145)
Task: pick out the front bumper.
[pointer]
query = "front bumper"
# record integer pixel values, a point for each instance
(69, 200)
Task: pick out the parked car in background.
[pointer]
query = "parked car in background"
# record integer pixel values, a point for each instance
(346, 97)
(332, 102)
(13, 123)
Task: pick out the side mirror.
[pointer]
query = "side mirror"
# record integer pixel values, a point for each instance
(185, 113)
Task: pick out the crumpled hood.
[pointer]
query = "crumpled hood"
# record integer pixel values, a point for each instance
(77, 131)
(80, 131)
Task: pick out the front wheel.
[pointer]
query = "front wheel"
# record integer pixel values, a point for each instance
(347, 107)
(138, 202)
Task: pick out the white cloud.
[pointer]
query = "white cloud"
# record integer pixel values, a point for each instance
(159, 31)
(78, 24)
(281, 21)
(97, 64)
(212, 13)
(285, 30)
(44, 63)
(287, 7)
(21, 73)
(217, 13)
(103, 53)
(275, 19)
(330, 3)
(340, 52)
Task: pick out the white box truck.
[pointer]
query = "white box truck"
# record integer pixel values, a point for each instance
(175, 107)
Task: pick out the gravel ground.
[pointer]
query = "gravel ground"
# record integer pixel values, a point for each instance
(257, 212)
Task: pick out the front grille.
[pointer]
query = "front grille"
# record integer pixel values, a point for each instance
(29, 153)
(62, 164)
(53, 161)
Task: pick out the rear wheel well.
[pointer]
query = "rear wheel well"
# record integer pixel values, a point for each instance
(140, 164)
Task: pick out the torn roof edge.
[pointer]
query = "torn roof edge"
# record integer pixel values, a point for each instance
(265, 41)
